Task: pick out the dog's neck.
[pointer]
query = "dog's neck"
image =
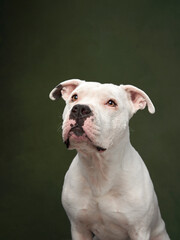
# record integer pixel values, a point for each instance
(100, 169)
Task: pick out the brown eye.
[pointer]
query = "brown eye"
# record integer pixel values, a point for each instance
(111, 103)
(74, 98)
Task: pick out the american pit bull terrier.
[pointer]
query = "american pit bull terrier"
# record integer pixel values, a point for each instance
(107, 193)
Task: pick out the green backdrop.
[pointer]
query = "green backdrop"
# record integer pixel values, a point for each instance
(46, 42)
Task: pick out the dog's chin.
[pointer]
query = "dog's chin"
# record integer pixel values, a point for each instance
(78, 139)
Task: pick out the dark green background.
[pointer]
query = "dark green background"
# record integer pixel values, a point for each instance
(46, 42)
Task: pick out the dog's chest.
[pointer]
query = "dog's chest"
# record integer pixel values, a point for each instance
(100, 212)
(103, 217)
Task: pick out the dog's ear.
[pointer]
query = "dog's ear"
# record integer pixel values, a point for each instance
(138, 99)
(64, 89)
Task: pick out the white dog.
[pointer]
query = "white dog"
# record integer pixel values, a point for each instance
(108, 193)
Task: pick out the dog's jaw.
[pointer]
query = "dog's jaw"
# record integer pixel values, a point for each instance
(76, 136)
(79, 139)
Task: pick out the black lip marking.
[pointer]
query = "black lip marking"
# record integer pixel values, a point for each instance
(77, 130)
(100, 149)
(67, 143)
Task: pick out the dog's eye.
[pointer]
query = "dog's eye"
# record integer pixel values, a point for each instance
(74, 98)
(111, 103)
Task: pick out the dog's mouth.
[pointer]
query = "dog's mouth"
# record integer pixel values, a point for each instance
(79, 132)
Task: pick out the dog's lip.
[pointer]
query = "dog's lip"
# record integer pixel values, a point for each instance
(100, 149)
(81, 132)
(77, 130)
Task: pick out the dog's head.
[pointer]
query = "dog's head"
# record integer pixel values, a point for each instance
(96, 115)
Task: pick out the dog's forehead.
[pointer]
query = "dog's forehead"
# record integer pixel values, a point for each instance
(99, 89)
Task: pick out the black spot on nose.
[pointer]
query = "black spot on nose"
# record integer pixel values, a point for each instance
(80, 113)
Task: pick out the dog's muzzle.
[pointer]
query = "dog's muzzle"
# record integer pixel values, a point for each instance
(79, 114)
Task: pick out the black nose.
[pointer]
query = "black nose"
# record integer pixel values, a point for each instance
(79, 113)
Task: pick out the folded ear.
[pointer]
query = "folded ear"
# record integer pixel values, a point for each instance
(138, 99)
(64, 89)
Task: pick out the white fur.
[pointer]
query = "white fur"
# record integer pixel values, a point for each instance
(109, 193)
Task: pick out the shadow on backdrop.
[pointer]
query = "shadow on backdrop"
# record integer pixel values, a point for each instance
(46, 42)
